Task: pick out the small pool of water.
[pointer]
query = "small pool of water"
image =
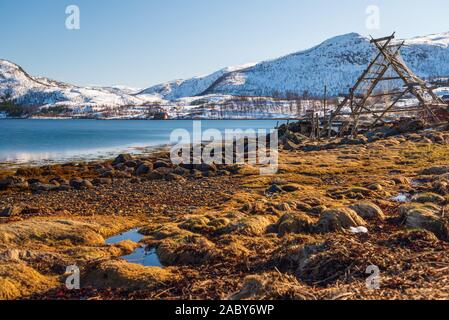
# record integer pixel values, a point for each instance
(402, 197)
(141, 255)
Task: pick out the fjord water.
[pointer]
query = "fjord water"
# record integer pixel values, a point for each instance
(46, 141)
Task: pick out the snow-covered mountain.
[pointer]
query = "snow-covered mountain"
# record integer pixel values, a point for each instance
(191, 87)
(23, 89)
(336, 63)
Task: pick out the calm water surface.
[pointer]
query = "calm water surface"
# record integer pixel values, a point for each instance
(46, 141)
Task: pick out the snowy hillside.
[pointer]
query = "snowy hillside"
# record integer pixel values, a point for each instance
(336, 63)
(21, 88)
(192, 87)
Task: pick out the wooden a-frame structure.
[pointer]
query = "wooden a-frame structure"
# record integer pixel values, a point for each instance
(365, 99)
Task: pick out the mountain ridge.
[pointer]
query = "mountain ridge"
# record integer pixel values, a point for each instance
(336, 63)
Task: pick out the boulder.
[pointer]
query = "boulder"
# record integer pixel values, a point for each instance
(155, 175)
(108, 174)
(144, 168)
(274, 188)
(339, 218)
(368, 211)
(290, 188)
(401, 180)
(122, 175)
(43, 187)
(196, 174)
(181, 171)
(161, 164)
(81, 184)
(284, 206)
(437, 170)
(428, 197)
(13, 182)
(101, 181)
(173, 177)
(205, 167)
(294, 223)
(290, 145)
(421, 218)
(411, 126)
(122, 159)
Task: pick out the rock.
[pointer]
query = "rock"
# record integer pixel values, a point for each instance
(368, 211)
(108, 174)
(135, 180)
(290, 188)
(274, 189)
(223, 173)
(401, 180)
(43, 187)
(375, 187)
(317, 210)
(63, 187)
(256, 207)
(421, 218)
(120, 167)
(249, 226)
(122, 159)
(81, 184)
(101, 181)
(406, 208)
(360, 140)
(121, 274)
(303, 206)
(10, 211)
(439, 170)
(161, 164)
(181, 171)
(294, 223)
(441, 187)
(122, 175)
(173, 177)
(205, 167)
(196, 174)
(34, 180)
(60, 181)
(155, 175)
(209, 174)
(131, 164)
(186, 250)
(428, 197)
(411, 126)
(284, 206)
(290, 145)
(13, 182)
(335, 219)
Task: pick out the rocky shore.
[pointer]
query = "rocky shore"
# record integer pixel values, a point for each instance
(311, 231)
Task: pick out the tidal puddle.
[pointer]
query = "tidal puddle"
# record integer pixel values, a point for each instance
(402, 197)
(141, 255)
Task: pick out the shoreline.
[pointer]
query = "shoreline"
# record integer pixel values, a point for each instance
(310, 231)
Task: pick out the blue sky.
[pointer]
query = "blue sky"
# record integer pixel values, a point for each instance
(144, 42)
